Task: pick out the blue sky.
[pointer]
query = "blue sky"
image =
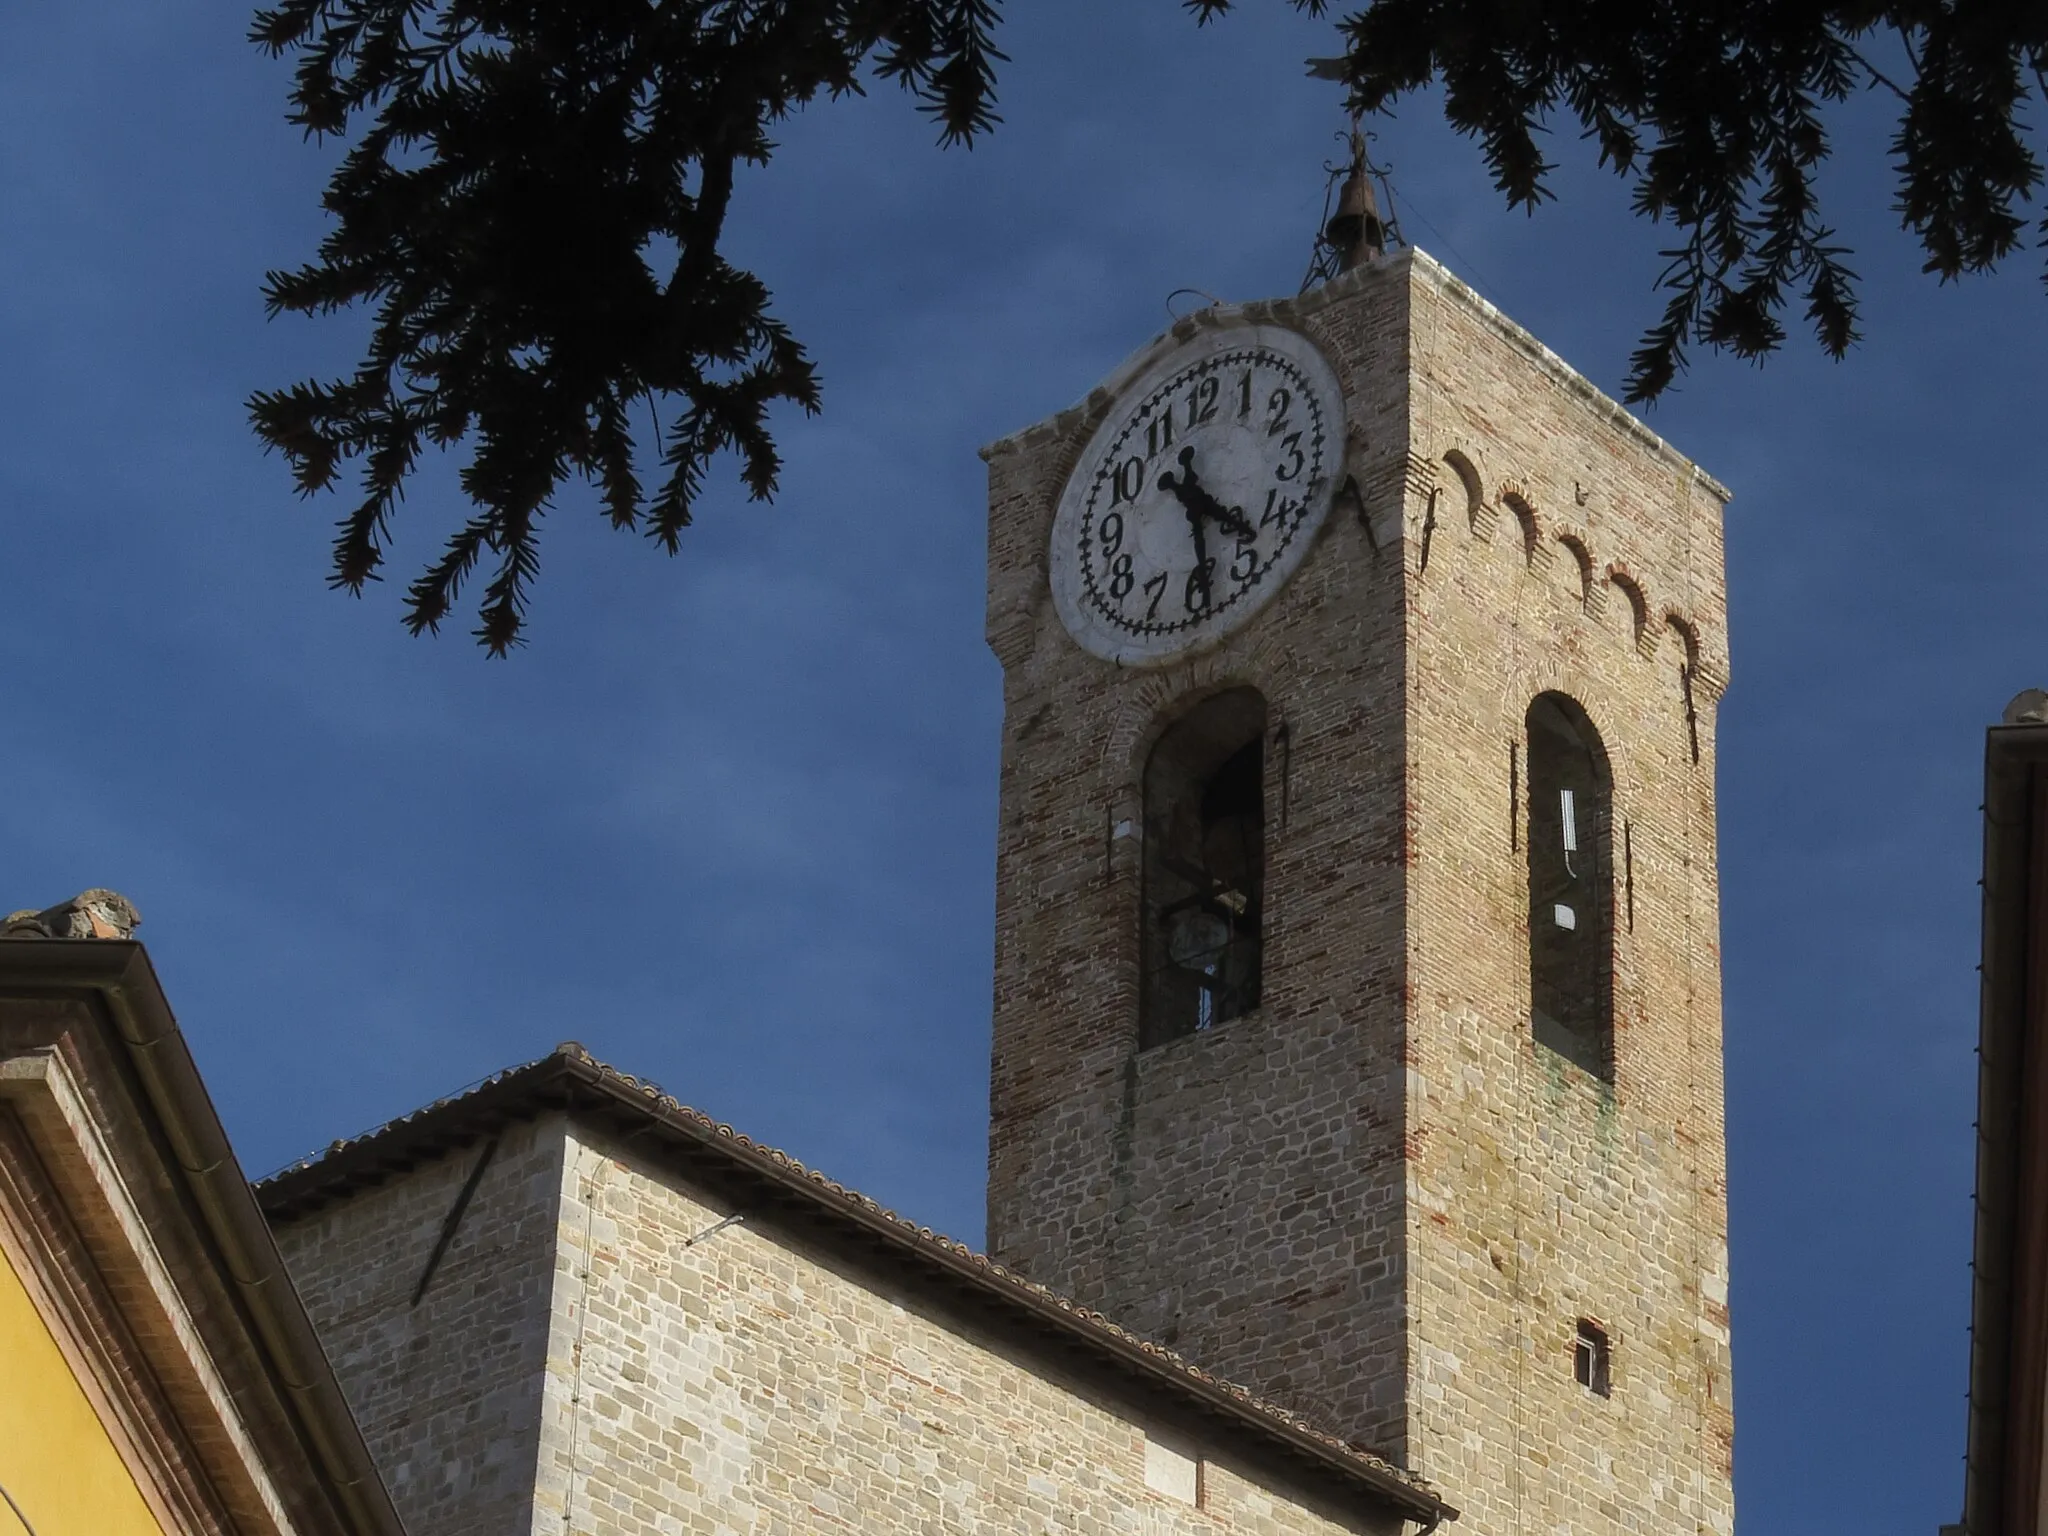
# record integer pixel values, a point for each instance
(729, 818)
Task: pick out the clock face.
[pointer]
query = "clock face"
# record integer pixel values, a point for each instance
(1199, 494)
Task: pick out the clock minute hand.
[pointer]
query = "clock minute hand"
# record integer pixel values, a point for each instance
(1195, 527)
(1185, 491)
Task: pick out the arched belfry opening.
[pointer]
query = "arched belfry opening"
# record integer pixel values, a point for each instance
(1205, 868)
(1571, 885)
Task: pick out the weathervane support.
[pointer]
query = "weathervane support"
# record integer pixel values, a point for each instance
(1354, 231)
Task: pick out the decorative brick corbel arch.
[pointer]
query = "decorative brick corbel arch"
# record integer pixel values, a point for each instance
(1517, 501)
(1630, 586)
(1697, 689)
(1479, 517)
(1591, 596)
(1709, 678)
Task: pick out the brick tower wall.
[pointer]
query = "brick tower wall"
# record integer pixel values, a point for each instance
(1571, 551)
(1235, 1194)
(1375, 1199)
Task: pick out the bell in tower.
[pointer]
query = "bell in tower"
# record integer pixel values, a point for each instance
(1357, 1008)
(1355, 233)
(1204, 875)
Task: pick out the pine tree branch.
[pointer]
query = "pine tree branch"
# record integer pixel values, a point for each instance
(511, 163)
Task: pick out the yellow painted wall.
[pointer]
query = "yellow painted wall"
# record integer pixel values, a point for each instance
(56, 1458)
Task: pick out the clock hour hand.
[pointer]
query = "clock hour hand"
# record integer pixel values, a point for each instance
(1232, 519)
(1199, 503)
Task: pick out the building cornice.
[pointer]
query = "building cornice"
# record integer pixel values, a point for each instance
(113, 979)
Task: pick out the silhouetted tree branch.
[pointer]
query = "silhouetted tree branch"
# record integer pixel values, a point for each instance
(519, 167)
(1712, 109)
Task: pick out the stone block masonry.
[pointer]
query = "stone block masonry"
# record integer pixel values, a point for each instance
(643, 1323)
(448, 1391)
(747, 1384)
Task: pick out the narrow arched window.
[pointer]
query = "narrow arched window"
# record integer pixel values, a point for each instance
(1571, 886)
(1205, 868)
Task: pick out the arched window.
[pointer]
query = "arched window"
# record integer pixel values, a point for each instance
(1205, 867)
(1571, 886)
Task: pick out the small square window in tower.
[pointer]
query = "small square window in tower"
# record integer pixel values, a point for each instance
(1205, 865)
(1592, 1361)
(1571, 896)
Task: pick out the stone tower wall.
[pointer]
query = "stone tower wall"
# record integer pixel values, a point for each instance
(1236, 1193)
(1375, 1198)
(448, 1393)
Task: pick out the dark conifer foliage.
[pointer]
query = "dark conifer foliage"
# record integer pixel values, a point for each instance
(1713, 110)
(535, 190)
(518, 169)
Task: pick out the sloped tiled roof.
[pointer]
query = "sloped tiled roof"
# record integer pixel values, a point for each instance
(571, 1080)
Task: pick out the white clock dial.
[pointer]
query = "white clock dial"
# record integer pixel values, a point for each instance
(1199, 494)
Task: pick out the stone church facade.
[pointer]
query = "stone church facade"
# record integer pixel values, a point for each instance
(1356, 1109)
(563, 1302)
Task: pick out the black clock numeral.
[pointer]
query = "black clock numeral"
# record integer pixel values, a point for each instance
(1254, 390)
(1126, 481)
(1292, 443)
(1159, 434)
(1120, 578)
(1279, 510)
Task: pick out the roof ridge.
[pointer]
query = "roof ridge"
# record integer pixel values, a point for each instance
(308, 1161)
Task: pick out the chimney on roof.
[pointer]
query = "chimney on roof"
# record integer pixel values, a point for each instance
(93, 914)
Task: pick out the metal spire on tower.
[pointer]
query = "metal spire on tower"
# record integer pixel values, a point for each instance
(1355, 232)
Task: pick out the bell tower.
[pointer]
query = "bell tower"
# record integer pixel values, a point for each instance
(1357, 1004)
